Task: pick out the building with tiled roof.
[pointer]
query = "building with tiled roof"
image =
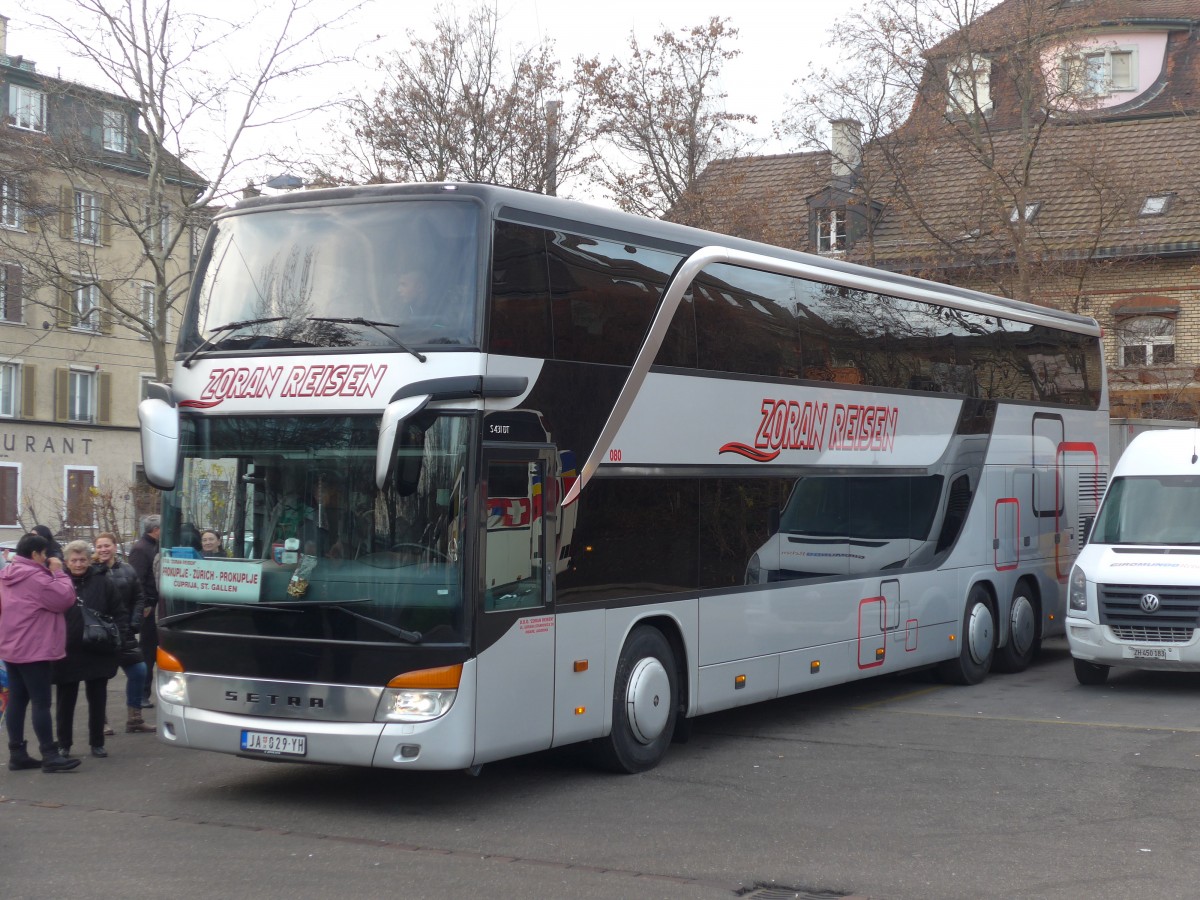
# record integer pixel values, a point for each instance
(1072, 180)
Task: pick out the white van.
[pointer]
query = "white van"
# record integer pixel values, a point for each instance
(1134, 593)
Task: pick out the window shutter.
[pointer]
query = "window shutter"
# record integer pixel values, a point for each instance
(61, 394)
(104, 398)
(66, 213)
(64, 303)
(106, 307)
(28, 410)
(105, 220)
(12, 293)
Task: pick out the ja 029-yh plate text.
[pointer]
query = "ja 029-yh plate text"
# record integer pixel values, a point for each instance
(274, 744)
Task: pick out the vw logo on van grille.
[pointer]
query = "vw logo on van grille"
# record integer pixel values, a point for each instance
(1150, 603)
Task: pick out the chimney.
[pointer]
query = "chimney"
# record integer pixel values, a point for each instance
(249, 192)
(3, 35)
(845, 145)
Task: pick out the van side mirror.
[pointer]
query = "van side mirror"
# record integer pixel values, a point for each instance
(394, 415)
(160, 441)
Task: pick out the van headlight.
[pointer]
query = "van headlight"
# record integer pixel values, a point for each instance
(754, 570)
(1077, 591)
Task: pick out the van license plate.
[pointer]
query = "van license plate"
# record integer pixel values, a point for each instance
(274, 744)
(1150, 652)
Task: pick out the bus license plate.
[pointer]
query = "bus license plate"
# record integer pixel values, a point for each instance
(1150, 652)
(274, 744)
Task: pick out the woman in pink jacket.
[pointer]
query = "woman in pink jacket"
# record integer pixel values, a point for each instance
(34, 594)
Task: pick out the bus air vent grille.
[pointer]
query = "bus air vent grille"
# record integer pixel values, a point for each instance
(1121, 604)
(1147, 635)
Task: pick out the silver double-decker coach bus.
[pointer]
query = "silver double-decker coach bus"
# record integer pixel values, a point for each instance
(497, 472)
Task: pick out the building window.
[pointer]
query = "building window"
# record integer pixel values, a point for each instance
(81, 396)
(968, 85)
(831, 230)
(157, 226)
(1100, 73)
(1146, 341)
(146, 498)
(10, 390)
(115, 132)
(10, 292)
(79, 495)
(85, 307)
(1028, 213)
(10, 203)
(10, 494)
(88, 210)
(26, 108)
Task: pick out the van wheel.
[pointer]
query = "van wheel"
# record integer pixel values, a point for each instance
(1023, 638)
(977, 641)
(645, 701)
(1090, 673)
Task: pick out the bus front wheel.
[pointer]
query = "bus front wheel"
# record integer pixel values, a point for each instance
(977, 641)
(644, 704)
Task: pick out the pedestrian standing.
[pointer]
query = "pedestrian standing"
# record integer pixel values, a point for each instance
(53, 549)
(34, 594)
(94, 667)
(142, 557)
(129, 593)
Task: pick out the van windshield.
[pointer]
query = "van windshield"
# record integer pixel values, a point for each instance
(1150, 510)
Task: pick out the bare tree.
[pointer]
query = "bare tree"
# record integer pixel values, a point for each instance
(662, 113)
(457, 106)
(169, 65)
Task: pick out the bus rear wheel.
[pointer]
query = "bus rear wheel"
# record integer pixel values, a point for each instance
(1023, 638)
(977, 641)
(1090, 673)
(645, 701)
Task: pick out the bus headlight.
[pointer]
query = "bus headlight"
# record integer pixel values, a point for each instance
(413, 706)
(419, 696)
(172, 688)
(1077, 591)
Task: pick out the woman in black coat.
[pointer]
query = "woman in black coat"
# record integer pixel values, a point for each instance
(94, 590)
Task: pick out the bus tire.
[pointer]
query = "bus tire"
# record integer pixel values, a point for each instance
(1023, 638)
(977, 644)
(1090, 673)
(645, 704)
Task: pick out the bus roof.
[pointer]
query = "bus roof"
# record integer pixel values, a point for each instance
(509, 203)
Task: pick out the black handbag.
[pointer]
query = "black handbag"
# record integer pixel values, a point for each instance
(100, 632)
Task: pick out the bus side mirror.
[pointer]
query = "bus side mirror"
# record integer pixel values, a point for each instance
(389, 429)
(160, 441)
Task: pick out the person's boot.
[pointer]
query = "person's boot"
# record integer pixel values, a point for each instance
(19, 758)
(134, 724)
(53, 761)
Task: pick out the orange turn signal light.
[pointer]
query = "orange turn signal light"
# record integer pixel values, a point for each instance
(166, 662)
(443, 678)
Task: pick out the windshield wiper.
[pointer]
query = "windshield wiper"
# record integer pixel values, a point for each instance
(228, 326)
(378, 326)
(212, 607)
(411, 637)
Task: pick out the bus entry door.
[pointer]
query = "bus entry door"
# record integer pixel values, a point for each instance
(515, 616)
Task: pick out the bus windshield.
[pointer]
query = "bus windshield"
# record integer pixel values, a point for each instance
(369, 275)
(299, 524)
(1150, 510)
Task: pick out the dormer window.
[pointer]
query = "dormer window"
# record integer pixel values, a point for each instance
(831, 230)
(116, 136)
(26, 108)
(1100, 72)
(968, 85)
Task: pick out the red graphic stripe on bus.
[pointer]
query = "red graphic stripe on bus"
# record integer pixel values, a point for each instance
(200, 404)
(748, 452)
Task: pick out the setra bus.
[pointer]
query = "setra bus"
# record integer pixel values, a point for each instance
(498, 472)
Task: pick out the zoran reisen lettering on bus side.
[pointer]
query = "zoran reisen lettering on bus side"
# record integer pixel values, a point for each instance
(790, 425)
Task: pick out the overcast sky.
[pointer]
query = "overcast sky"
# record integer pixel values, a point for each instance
(777, 40)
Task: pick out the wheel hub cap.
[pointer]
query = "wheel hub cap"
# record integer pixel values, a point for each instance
(979, 635)
(647, 699)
